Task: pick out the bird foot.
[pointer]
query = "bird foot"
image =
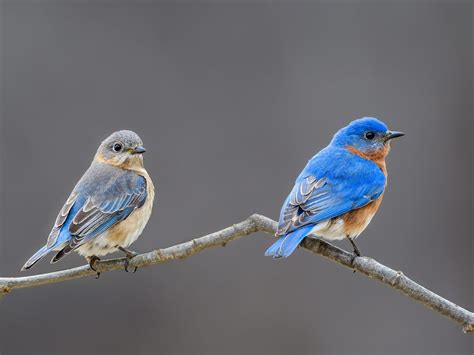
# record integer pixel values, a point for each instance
(354, 246)
(92, 260)
(352, 263)
(356, 252)
(127, 263)
(129, 255)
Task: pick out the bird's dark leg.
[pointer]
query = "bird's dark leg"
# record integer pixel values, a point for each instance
(92, 260)
(129, 254)
(356, 250)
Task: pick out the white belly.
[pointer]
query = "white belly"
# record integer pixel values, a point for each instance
(330, 230)
(334, 229)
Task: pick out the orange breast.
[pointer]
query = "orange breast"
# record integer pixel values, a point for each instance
(377, 156)
(357, 220)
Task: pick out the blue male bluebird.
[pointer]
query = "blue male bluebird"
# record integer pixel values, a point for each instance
(339, 190)
(109, 206)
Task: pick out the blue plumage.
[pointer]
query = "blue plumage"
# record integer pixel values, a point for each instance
(286, 245)
(345, 176)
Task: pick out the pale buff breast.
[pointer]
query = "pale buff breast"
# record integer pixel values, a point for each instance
(126, 232)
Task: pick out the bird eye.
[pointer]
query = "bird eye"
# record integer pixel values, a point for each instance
(117, 147)
(370, 135)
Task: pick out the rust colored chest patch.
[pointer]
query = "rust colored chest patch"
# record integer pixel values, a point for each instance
(357, 220)
(377, 156)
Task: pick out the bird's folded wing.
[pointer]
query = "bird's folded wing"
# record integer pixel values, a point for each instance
(89, 212)
(60, 221)
(314, 200)
(105, 209)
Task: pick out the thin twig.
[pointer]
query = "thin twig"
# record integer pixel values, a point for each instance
(253, 224)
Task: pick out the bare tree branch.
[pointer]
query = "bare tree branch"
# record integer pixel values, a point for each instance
(253, 224)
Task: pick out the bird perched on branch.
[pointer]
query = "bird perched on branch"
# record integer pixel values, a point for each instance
(340, 189)
(109, 206)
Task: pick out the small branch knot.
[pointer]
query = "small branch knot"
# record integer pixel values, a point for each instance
(158, 255)
(468, 328)
(396, 279)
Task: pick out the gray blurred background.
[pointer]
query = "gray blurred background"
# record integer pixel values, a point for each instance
(231, 100)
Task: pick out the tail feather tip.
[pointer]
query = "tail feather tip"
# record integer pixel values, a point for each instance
(286, 245)
(35, 258)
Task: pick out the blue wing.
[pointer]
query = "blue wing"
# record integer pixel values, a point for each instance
(93, 214)
(333, 182)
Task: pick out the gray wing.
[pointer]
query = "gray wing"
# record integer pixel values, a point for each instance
(102, 204)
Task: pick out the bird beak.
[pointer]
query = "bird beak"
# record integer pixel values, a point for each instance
(393, 134)
(138, 150)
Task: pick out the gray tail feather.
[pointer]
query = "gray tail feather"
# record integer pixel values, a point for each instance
(62, 253)
(36, 257)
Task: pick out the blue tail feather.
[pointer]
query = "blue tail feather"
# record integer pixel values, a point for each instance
(287, 244)
(36, 257)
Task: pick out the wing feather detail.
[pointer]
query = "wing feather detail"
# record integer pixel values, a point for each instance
(60, 219)
(100, 213)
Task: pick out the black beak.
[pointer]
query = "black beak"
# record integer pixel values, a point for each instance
(138, 150)
(393, 134)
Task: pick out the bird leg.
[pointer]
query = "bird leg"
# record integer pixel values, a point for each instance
(92, 260)
(129, 254)
(356, 251)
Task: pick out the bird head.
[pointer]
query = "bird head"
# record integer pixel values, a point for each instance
(122, 149)
(366, 135)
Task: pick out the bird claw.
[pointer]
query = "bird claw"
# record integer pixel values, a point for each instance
(127, 263)
(129, 255)
(355, 254)
(352, 263)
(354, 246)
(92, 260)
(356, 250)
